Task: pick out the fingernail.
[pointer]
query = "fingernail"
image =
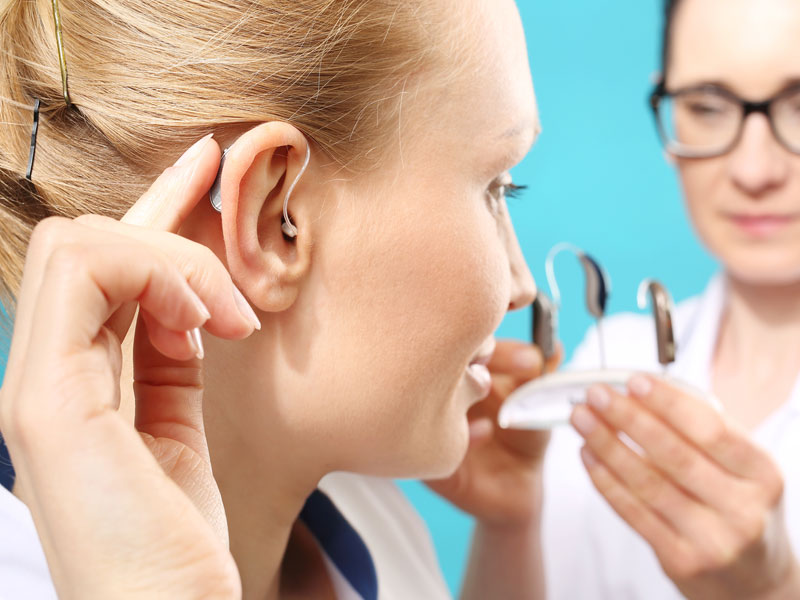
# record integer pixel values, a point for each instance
(245, 309)
(527, 358)
(583, 420)
(640, 386)
(201, 307)
(193, 152)
(196, 342)
(589, 459)
(598, 397)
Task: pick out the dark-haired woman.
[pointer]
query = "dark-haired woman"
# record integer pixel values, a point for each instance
(703, 504)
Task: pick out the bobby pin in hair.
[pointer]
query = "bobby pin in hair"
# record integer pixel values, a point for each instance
(34, 132)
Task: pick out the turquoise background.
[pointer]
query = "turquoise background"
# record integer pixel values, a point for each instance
(596, 178)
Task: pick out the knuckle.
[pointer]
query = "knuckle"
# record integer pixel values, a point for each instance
(772, 487)
(683, 462)
(714, 435)
(650, 487)
(751, 529)
(18, 425)
(47, 234)
(626, 417)
(67, 259)
(91, 220)
(683, 566)
(206, 255)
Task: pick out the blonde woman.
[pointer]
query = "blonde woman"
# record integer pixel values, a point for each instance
(364, 331)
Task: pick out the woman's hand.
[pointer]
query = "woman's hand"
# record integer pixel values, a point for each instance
(500, 483)
(707, 499)
(499, 480)
(122, 512)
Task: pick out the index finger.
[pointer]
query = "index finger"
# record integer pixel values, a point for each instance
(171, 198)
(701, 424)
(521, 361)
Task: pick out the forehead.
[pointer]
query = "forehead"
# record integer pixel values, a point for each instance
(753, 46)
(486, 89)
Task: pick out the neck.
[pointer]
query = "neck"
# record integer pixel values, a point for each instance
(263, 492)
(262, 497)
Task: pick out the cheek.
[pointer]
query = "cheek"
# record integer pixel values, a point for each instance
(403, 307)
(424, 292)
(701, 182)
(709, 193)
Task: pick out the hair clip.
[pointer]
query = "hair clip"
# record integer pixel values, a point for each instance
(62, 59)
(34, 133)
(288, 228)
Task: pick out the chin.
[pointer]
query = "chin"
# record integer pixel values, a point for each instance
(451, 454)
(760, 268)
(446, 452)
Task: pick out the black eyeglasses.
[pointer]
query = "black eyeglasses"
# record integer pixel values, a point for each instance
(708, 120)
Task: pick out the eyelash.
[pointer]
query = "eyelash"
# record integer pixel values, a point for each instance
(498, 192)
(514, 191)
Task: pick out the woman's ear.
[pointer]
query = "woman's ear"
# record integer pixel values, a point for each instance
(268, 266)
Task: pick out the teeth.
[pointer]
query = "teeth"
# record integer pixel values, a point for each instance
(481, 374)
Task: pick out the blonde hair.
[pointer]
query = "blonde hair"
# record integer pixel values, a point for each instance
(148, 77)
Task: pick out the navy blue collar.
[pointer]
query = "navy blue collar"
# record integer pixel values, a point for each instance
(6, 468)
(341, 543)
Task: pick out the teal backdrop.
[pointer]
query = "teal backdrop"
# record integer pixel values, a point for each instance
(596, 178)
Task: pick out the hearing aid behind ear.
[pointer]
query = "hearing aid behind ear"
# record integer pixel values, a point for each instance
(215, 193)
(544, 325)
(288, 228)
(596, 286)
(662, 314)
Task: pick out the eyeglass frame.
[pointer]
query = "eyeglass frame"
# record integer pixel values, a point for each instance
(747, 107)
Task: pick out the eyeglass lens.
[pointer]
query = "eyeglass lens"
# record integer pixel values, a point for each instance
(707, 123)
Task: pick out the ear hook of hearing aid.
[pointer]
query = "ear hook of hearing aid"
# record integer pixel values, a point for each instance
(288, 228)
(598, 287)
(662, 313)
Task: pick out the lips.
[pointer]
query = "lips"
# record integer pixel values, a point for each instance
(762, 225)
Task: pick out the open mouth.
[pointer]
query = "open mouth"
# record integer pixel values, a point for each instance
(478, 372)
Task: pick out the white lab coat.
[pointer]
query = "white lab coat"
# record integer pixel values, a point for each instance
(590, 553)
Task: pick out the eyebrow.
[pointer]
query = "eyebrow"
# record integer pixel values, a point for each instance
(788, 83)
(523, 127)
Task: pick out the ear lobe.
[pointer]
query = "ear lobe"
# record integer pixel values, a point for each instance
(260, 166)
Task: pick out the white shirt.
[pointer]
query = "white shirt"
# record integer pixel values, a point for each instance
(23, 569)
(397, 537)
(590, 553)
(392, 530)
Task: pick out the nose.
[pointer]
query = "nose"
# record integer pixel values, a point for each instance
(758, 164)
(523, 287)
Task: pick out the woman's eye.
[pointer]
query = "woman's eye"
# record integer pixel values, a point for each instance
(500, 190)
